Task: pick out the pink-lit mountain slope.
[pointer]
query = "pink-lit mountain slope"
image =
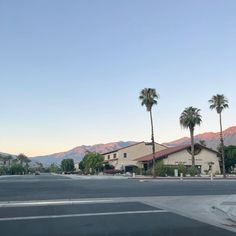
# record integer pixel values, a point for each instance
(212, 139)
(78, 153)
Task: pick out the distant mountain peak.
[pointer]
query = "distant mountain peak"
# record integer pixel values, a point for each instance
(78, 152)
(212, 139)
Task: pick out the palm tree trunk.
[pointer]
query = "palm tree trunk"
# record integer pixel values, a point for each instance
(222, 146)
(192, 145)
(153, 145)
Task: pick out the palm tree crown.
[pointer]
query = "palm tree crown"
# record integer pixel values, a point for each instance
(148, 97)
(190, 117)
(218, 102)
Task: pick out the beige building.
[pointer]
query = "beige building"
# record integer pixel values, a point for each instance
(206, 159)
(125, 158)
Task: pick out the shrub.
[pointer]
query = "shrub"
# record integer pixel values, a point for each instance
(4, 170)
(182, 169)
(160, 168)
(193, 171)
(17, 169)
(137, 170)
(170, 170)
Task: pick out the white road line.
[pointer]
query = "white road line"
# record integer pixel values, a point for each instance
(48, 203)
(80, 215)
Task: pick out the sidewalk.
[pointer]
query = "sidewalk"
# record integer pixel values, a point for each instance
(226, 208)
(219, 210)
(143, 178)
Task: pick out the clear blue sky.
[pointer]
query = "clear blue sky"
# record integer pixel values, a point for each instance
(71, 71)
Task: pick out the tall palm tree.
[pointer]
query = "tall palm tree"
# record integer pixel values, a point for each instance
(189, 118)
(149, 97)
(219, 102)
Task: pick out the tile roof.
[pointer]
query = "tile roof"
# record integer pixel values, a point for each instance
(168, 151)
(116, 150)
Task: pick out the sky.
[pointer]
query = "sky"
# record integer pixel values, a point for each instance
(71, 71)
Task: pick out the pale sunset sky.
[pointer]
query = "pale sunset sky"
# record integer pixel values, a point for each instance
(71, 70)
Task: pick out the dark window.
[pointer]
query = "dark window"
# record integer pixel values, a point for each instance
(108, 157)
(125, 155)
(114, 155)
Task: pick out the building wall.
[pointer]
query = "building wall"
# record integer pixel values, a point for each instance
(202, 159)
(133, 152)
(5, 163)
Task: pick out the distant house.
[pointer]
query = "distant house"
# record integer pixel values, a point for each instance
(206, 159)
(125, 158)
(6, 160)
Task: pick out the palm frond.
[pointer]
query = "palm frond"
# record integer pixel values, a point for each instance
(218, 102)
(148, 97)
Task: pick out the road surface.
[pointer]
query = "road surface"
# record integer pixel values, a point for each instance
(58, 205)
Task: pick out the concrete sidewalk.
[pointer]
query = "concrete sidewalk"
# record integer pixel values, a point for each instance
(226, 208)
(219, 210)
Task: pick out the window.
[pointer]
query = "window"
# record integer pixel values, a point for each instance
(108, 157)
(125, 155)
(114, 155)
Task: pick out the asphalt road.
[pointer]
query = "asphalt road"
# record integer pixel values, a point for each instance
(44, 187)
(46, 216)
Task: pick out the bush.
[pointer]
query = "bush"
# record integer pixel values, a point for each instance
(17, 169)
(182, 169)
(4, 170)
(160, 169)
(137, 170)
(193, 170)
(170, 170)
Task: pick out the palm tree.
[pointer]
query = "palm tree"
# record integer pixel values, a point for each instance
(220, 102)
(22, 158)
(149, 97)
(189, 118)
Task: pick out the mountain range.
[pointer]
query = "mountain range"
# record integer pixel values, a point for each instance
(211, 139)
(78, 153)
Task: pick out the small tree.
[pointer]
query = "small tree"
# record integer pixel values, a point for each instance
(182, 169)
(92, 162)
(54, 168)
(67, 165)
(39, 167)
(230, 157)
(160, 168)
(4, 170)
(17, 169)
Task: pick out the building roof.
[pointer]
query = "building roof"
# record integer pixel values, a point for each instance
(116, 150)
(166, 152)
